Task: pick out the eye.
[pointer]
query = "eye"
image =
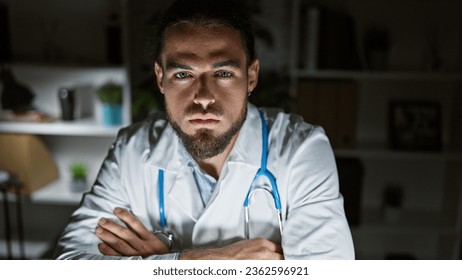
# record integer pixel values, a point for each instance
(224, 74)
(182, 75)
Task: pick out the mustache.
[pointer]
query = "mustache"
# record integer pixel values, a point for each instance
(194, 109)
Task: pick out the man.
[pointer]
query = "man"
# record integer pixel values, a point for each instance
(175, 188)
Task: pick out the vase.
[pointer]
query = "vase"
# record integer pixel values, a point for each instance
(79, 185)
(112, 114)
(67, 101)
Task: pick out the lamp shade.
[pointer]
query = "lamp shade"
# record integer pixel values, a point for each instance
(27, 157)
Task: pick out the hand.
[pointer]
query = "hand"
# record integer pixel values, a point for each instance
(133, 240)
(249, 249)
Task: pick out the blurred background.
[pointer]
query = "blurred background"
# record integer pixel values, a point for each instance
(383, 77)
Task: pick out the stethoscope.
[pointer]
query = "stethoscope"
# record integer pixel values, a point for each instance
(167, 237)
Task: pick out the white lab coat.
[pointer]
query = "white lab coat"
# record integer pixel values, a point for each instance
(300, 158)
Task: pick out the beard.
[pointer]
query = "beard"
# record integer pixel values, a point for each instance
(204, 144)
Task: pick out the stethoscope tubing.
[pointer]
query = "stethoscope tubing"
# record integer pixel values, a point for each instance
(160, 191)
(263, 172)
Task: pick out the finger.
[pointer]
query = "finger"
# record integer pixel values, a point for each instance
(115, 242)
(273, 250)
(136, 235)
(272, 246)
(132, 222)
(107, 250)
(110, 225)
(276, 248)
(118, 230)
(132, 243)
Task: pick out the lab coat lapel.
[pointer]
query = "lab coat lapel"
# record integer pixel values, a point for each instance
(179, 185)
(247, 148)
(185, 194)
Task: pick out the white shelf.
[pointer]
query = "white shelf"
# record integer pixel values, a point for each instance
(44, 66)
(379, 76)
(33, 249)
(383, 153)
(409, 222)
(86, 127)
(58, 192)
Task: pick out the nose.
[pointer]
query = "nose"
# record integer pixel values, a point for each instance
(204, 94)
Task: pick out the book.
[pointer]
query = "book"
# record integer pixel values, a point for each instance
(328, 40)
(332, 104)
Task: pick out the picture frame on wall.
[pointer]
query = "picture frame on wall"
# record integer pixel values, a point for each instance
(415, 125)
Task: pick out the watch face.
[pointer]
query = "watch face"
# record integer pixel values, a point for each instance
(166, 238)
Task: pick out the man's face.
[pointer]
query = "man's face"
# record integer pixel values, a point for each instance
(205, 78)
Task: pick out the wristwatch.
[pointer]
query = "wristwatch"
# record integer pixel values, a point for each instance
(165, 237)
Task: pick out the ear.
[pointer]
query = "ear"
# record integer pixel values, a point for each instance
(252, 74)
(159, 76)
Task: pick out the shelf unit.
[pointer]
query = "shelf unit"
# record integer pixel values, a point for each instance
(83, 127)
(67, 141)
(429, 224)
(377, 75)
(49, 56)
(45, 81)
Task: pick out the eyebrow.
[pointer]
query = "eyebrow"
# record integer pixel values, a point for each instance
(175, 65)
(230, 62)
(226, 63)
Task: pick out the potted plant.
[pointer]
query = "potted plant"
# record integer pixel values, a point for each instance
(110, 96)
(79, 171)
(144, 103)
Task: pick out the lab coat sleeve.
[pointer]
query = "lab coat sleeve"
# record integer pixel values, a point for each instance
(315, 226)
(78, 240)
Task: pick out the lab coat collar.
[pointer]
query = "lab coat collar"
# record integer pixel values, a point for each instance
(165, 153)
(248, 147)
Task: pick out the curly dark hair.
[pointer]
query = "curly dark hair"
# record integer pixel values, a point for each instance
(204, 12)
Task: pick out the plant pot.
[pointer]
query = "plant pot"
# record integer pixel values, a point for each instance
(79, 185)
(112, 114)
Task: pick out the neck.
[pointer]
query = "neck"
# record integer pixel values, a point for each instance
(214, 165)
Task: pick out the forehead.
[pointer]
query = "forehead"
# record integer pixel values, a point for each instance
(188, 40)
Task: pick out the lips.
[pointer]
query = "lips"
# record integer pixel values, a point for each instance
(204, 122)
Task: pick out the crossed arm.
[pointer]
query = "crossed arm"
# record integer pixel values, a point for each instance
(135, 240)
